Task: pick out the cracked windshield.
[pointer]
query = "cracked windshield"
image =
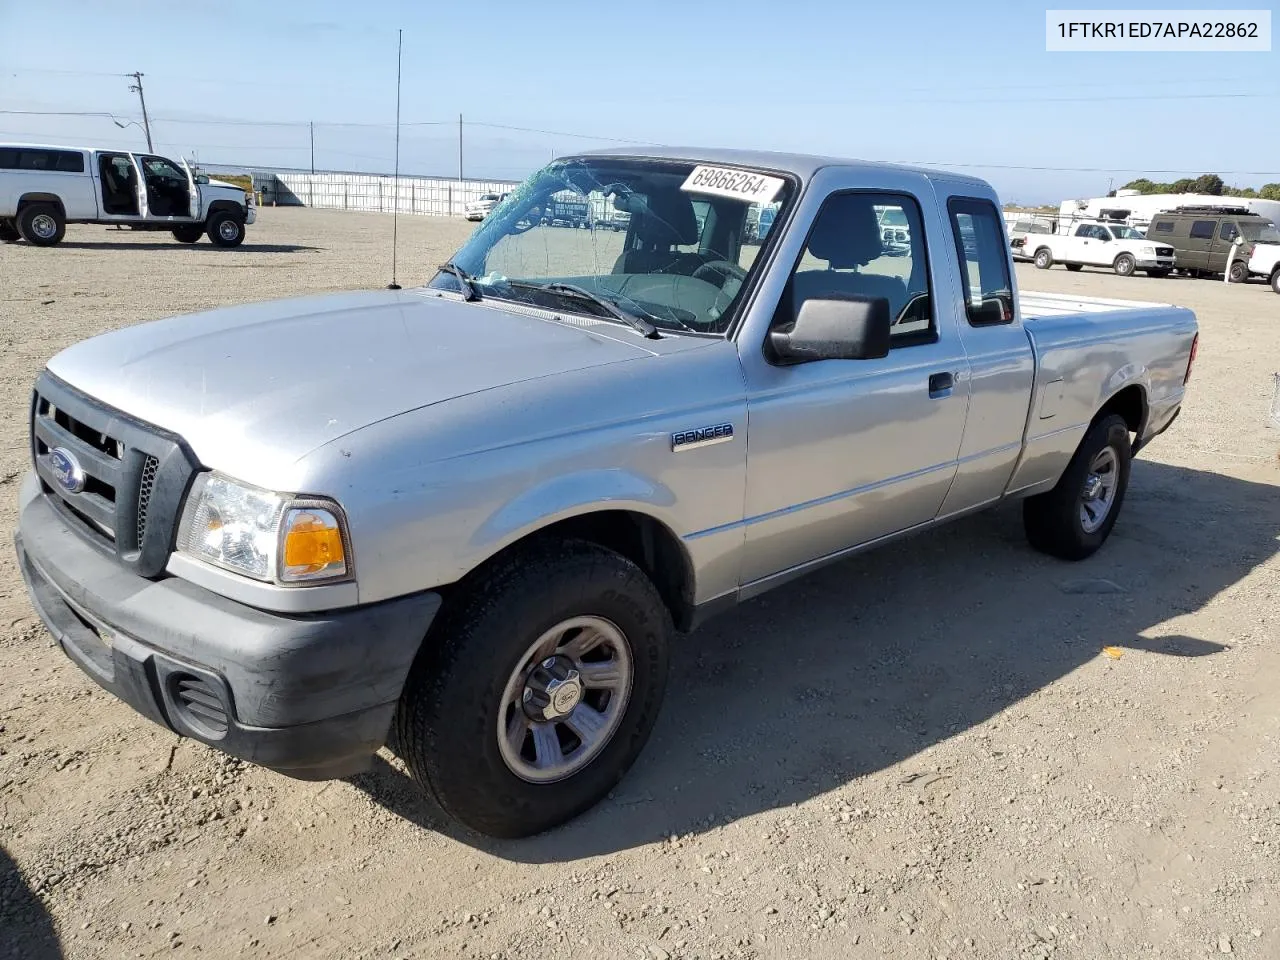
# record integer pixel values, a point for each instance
(661, 246)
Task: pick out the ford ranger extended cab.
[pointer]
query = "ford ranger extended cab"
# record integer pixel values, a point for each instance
(1114, 245)
(469, 519)
(43, 188)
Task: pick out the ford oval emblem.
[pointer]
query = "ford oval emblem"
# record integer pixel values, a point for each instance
(67, 471)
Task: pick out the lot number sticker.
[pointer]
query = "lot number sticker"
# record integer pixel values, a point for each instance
(738, 184)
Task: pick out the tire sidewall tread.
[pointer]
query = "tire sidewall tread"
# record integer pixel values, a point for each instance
(1052, 519)
(447, 719)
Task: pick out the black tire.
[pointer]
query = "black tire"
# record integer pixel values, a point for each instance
(42, 224)
(447, 721)
(1124, 265)
(1053, 520)
(1043, 258)
(225, 229)
(1275, 280)
(9, 232)
(1239, 272)
(188, 234)
(1074, 267)
(1159, 273)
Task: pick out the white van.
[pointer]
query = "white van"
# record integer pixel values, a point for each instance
(43, 188)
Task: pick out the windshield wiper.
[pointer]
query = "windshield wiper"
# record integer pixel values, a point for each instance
(633, 320)
(465, 280)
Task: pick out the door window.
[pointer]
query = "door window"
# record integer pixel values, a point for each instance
(847, 254)
(984, 264)
(1228, 231)
(1202, 230)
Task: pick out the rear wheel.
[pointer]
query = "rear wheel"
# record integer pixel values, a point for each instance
(1239, 272)
(1275, 280)
(41, 224)
(1074, 519)
(537, 689)
(1073, 267)
(1043, 258)
(188, 234)
(225, 230)
(1124, 265)
(9, 232)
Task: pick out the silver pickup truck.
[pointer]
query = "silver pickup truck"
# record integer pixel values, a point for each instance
(469, 519)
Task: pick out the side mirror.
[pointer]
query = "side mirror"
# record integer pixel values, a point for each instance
(840, 327)
(202, 179)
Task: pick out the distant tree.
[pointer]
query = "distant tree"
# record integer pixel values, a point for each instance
(1181, 186)
(1209, 183)
(1247, 192)
(1142, 185)
(1270, 191)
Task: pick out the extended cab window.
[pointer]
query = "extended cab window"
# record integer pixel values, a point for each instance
(1202, 230)
(1163, 226)
(984, 264)
(868, 245)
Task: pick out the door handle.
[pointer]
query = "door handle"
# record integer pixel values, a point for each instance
(940, 384)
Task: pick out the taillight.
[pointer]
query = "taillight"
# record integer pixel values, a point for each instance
(1195, 345)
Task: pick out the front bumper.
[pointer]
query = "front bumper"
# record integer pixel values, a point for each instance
(1153, 263)
(251, 214)
(309, 696)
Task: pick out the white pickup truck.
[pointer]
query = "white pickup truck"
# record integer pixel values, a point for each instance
(1114, 245)
(1264, 261)
(480, 511)
(43, 188)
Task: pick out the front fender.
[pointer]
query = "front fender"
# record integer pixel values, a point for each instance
(560, 498)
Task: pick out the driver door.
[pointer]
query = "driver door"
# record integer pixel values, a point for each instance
(193, 192)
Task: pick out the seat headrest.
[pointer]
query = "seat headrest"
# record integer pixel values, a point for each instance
(847, 233)
(665, 219)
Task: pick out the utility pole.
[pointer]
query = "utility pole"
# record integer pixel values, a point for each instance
(313, 147)
(136, 87)
(459, 146)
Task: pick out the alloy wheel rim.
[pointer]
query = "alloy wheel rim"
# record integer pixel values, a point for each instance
(1099, 491)
(565, 699)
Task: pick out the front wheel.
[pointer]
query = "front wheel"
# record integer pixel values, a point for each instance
(1124, 265)
(42, 224)
(1075, 267)
(537, 689)
(1239, 272)
(1074, 519)
(226, 230)
(188, 234)
(1043, 258)
(1275, 280)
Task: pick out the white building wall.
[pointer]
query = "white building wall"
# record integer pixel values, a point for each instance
(352, 191)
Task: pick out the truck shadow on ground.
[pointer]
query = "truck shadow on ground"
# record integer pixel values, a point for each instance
(866, 663)
(206, 248)
(26, 928)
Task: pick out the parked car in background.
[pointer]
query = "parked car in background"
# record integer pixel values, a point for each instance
(480, 208)
(486, 533)
(567, 211)
(1264, 259)
(1020, 228)
(43, 188)
(1204, 236)
(1123, 249)
(759, 221)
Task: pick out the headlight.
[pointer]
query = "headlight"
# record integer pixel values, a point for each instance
(268, 536)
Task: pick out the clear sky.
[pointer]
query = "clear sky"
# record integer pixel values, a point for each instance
(963, 84)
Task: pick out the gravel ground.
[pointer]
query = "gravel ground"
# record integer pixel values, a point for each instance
(920, 753)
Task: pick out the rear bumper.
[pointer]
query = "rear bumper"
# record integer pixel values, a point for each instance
(309, 696)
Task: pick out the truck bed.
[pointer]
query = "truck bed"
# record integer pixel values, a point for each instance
(1034, 306)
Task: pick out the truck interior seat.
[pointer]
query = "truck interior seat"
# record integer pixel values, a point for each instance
(666, 221)
(847, 236)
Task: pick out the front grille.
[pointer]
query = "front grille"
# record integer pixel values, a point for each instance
(145, 485)
(200, 703)
(1164, 251)
(117, 481)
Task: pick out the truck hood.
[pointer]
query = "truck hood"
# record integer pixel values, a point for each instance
(264, 384)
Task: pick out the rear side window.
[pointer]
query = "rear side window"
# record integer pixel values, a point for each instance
(1202, 230)
(984, 263)
(1163, 226)
(1228, 231)
(27, 158)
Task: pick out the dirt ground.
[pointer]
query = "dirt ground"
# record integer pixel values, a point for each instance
(920, 753)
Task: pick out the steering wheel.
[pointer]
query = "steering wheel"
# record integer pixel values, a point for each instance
(726, 269)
